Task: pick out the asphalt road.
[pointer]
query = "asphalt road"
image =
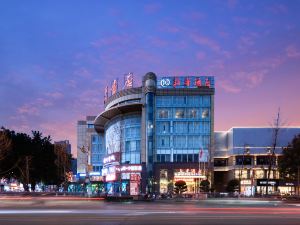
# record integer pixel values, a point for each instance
(55, 211)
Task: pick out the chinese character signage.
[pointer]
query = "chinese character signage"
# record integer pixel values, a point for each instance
(106, 94)
(186, 82)
(128, 80)
(114, 87)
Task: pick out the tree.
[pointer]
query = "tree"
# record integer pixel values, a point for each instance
(63, 163)
(289, 163)
(204, 185)
(272, 155)
(5, 144)
(180, 187)
(233, 185)
(31, 159)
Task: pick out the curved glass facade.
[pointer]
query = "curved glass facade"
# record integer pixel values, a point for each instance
(123, 134)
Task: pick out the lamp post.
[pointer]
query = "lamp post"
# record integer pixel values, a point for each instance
(247, 152)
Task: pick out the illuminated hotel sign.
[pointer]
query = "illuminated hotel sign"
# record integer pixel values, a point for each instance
(186, 82)
(189, 173)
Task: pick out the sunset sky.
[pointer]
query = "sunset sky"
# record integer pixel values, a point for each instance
(56, 57)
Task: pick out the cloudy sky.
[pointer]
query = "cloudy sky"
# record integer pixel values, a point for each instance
(56, 57)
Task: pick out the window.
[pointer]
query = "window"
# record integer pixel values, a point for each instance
(163, 141)
(205, 114)
(179, 100)
(179, 141)
(206, 100)
(192, 113)
(163, 127)
(179, 113)
(243, 160)
(262, 160)
(220, 162)
(90, 125)
(162, 114)
(180, 127)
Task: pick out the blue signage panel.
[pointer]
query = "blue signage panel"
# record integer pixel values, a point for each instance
(186, 82)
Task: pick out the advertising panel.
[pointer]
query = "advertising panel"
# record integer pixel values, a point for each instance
(134, 188)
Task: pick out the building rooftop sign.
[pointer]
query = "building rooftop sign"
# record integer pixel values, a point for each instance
(186, 82)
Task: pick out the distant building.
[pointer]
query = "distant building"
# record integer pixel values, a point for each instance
(243, 153)
(90, 147)
(74, 166)
(66, 145)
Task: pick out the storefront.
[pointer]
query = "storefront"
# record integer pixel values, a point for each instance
(123, 179)
(263, 183)
(192, 177)
(287, 187)
(247, 187)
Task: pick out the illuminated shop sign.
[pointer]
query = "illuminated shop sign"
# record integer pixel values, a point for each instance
(129, 168)
(108, 170)
(287, 183)
(188, 173)
(96, 178)
(121, 169)
(246, 182)
(111, 158)
(186, 82)
(264, 182)
(110, 177)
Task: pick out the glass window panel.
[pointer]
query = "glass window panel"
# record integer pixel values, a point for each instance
(193, 113)
(206, 100)
(168, 158)
(205, 113)
(190, 158)
(179, 113)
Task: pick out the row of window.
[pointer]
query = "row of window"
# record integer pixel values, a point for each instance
(203, 100)
(183, 141)
(177, 158)
(245, 160)
(123, 134)
(183, 113)
(182, 127)
(256, 174)
(248, 160)
(131, 158)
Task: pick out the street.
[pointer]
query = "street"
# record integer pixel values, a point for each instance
(75, 211)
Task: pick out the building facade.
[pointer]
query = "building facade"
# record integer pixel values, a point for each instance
(157, 134)
(90, 147)
(245, 154)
